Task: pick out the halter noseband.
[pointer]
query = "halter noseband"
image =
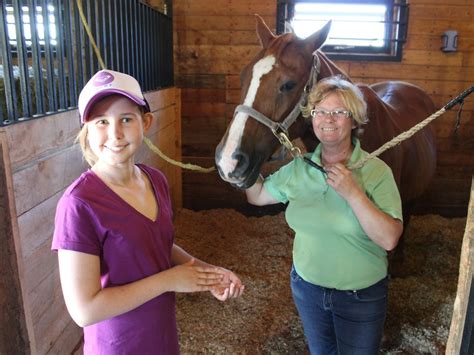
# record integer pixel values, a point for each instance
(280, 129)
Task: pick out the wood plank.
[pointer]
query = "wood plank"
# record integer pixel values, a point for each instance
(214, 59)
(466, 270)
(68, 340)
(36, 226)
(160, 99)
(424, 57)
(35, 139)
(201, 80)
(399, 71)
(204, 109)
(430, 26)
(196, 95)
(446, 12)
(224, 8)
(215, 37)
(48, 176)
(218, 22)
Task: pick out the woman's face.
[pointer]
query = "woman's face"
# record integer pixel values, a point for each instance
(332, 130)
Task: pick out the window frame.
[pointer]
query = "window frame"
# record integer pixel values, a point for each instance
(395, 30)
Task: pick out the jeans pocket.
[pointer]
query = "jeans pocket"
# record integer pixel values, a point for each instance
(372, 293)
(294, 275)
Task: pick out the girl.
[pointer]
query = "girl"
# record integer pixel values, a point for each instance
(119, 267)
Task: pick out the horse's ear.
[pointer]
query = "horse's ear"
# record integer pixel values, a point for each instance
(316, 40)
(264, 33)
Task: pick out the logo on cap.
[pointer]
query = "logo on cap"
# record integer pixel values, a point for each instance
(103, 78)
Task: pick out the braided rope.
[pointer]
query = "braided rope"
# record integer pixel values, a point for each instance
(398, 139)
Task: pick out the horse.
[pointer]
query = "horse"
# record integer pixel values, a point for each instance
(278, 79)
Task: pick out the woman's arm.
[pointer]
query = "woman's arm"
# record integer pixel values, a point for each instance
(257, 194)
(89, 303)
(384, 230)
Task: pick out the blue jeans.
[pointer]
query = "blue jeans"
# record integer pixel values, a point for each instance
(341, 322)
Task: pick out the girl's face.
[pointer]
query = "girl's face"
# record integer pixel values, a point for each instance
(115, 129)
(332, 130)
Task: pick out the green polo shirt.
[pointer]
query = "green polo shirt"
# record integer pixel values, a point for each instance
(330, 248)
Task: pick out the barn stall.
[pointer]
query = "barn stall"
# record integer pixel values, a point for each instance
(212, 42)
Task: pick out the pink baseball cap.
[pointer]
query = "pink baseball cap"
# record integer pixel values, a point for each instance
(108, 82)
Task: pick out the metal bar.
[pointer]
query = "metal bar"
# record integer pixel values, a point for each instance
(8, 76)
(52, 105)
(118, 36)
(25, 96)
(148, 35)
(97, 37)
(90, 52)
(141, 48)
(68, 39)
(112, 40)
(135, 48)
(36, 60)
(155, 59)
(61, 54)
(126, 37)
(105, 46)
(79, 48)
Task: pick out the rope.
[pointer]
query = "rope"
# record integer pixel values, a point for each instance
(89, 33)
(189, 166)
(398, 139)
(149, 143)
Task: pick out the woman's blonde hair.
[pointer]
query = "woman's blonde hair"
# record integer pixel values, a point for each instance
(350, 95)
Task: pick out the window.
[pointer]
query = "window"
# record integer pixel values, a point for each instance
(46, 56)
(361, 29)
(26, 21)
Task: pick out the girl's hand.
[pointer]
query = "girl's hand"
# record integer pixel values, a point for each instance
(233, 287)
(189, 278)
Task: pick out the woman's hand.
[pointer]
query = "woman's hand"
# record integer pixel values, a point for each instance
(340, 179)
(232, 288)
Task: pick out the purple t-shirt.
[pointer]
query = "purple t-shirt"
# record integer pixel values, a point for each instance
(92, 219)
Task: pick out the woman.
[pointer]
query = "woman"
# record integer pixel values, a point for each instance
(344, 222)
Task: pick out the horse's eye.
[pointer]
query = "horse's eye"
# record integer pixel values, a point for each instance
(288, 86)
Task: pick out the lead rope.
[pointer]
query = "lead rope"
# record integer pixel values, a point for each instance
(405, 135)
(147, 141)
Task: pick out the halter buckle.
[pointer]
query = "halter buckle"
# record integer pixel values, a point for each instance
(283, 138)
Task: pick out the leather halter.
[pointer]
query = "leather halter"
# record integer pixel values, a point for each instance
(280, 129)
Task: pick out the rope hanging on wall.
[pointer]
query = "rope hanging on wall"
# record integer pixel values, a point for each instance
(147, 141)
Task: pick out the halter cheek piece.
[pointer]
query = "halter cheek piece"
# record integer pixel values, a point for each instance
(280, 129)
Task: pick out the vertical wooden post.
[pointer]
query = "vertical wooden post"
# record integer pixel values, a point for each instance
(461, 336)
(13, 329)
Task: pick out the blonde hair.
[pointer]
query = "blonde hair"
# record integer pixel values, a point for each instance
(87, 152)
(350, 95)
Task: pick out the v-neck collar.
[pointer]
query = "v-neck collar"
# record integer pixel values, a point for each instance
(125, 203)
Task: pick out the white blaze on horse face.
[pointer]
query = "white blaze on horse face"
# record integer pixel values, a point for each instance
(236, 130)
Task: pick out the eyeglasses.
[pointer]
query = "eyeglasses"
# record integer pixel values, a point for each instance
(336, 114)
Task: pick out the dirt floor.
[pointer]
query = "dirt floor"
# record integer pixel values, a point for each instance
(264, 320)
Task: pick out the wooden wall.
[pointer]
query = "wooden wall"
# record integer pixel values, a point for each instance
(215, 39)
(41, 161)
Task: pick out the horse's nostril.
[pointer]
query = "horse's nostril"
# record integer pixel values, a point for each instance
(242, 163)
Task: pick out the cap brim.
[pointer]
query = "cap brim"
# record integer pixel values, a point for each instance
(108, 92)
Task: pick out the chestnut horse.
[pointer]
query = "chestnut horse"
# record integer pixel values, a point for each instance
(273, 85)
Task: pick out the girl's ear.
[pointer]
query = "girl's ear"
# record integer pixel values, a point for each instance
(147, 120)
